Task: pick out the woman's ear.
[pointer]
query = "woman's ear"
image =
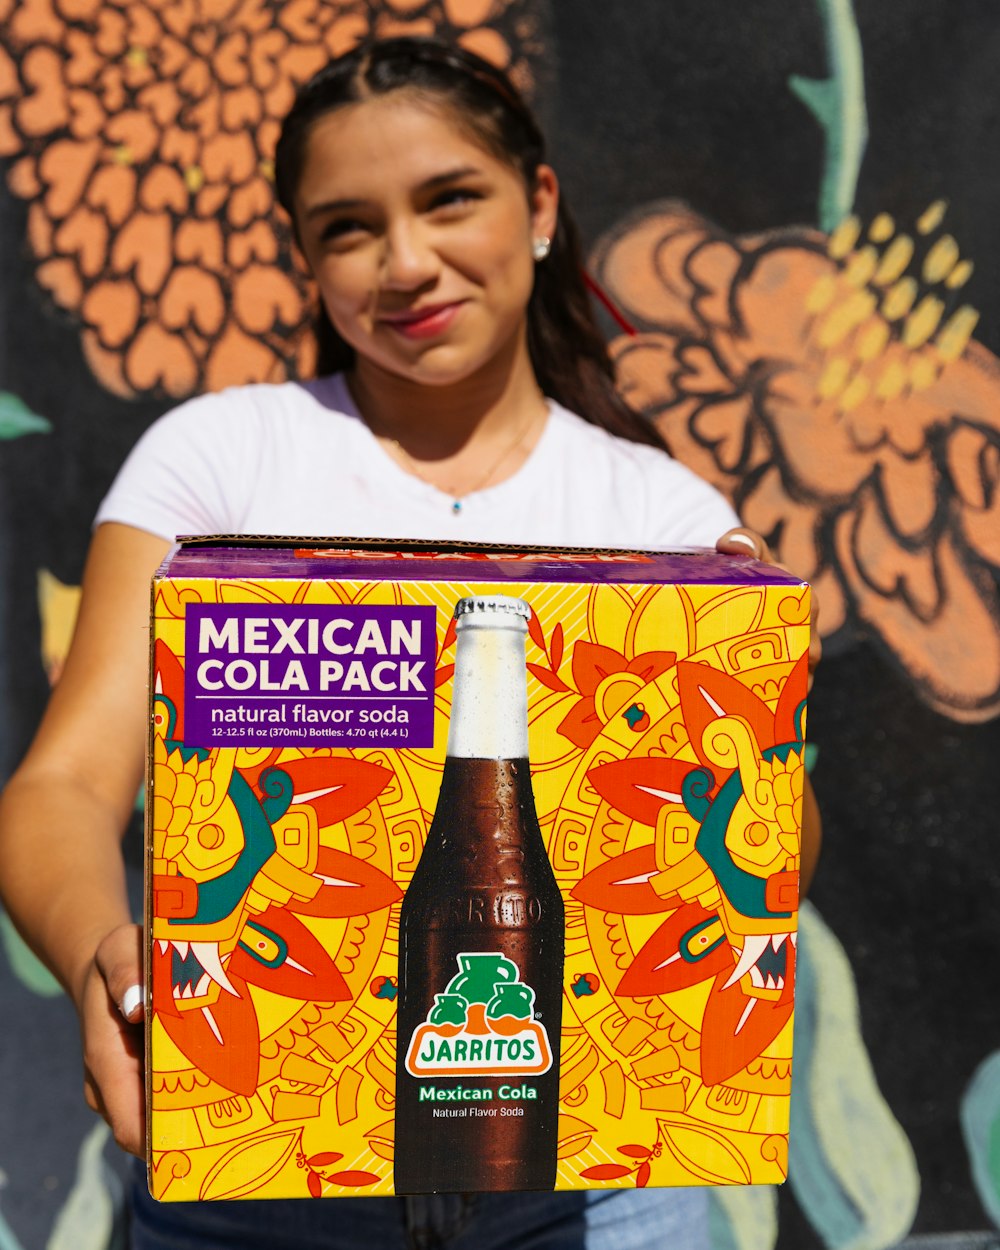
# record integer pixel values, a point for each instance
(544, 201)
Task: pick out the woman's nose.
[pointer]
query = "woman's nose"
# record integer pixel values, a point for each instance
(409, 259)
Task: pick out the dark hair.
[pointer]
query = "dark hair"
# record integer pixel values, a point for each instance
(567, 351)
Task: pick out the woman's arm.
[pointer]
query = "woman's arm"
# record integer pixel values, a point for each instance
(742, 542)
(64, 811)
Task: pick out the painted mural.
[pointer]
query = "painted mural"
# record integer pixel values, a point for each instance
(790, 212)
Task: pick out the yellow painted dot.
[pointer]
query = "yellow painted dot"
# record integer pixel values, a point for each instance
(266, 170)
(873, 339)
(956, 332)
(899, 299)
(922, 322)
(882, 228)
(137, 56)
(941, 259)
(932, 216)
(845, 317)
(821, 293)
(122, 155)
(892, 381)
(959, 275)
(861, 266)
(923, 371)
(833, 379)
(857, 391)
(194, 178)
(894, 260)
(844, 238)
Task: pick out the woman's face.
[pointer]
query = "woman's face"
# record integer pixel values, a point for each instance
(419, 239)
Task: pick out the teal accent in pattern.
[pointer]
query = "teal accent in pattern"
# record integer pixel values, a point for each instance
(278, 791)
(281, 945)
(219, 898)
(695, 790)
(747, 893)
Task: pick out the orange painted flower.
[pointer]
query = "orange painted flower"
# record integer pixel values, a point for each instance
(830, 387)
(593, 665)
(142, 134)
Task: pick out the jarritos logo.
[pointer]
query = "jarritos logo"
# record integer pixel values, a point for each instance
(481, 1025)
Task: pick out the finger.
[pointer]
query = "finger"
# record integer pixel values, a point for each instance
(131, 1004)
(119, 961)
(112, 1054)
(743, 541)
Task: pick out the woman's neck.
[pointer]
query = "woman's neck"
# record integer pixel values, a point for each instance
(460, 437)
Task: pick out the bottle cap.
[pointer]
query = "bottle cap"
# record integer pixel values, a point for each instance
(487, 605)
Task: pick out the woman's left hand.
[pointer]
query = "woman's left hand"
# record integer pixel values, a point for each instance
(743, 541)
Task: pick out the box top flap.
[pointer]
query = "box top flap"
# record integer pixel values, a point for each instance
(350, 559)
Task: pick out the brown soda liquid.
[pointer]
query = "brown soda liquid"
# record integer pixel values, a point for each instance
(484, 884)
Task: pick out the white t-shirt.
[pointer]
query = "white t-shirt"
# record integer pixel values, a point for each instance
(297, 459)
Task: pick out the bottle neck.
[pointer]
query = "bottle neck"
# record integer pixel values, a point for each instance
(489, 711)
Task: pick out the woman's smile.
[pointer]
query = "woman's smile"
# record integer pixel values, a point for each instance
(424, 322)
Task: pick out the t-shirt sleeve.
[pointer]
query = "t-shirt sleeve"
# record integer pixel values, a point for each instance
(683, 510)
(184, 474)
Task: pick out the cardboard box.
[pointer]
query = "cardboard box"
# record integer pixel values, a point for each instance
(301, 695)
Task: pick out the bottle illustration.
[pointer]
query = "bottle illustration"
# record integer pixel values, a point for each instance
(481, 943)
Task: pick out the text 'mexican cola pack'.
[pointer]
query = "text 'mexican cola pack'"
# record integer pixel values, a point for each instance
(470, 869)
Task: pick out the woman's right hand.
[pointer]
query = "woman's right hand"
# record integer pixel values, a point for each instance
(111, 1012)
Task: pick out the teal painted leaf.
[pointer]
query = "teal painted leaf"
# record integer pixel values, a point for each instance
(25, 966)
(838, 104)
(89, 1218)
(7, 1239)
(819, 96)
(743, 1218)
(16, 418)
(980, 1113)
(850, 1163)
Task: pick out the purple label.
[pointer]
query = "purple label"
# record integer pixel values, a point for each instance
(327, 675)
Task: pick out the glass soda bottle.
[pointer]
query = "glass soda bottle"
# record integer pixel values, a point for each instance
(481, 943)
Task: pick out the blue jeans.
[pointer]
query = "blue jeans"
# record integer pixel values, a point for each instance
(620, 1219)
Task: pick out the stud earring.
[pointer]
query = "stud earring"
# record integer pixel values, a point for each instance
(541, 247)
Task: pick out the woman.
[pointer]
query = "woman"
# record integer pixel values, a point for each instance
(456, 347)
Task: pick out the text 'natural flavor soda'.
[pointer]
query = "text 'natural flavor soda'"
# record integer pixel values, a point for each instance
(481, 943)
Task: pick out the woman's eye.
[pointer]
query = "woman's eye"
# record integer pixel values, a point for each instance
(341, 229)
(454, 197)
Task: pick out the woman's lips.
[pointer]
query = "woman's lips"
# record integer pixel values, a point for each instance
(422, 323)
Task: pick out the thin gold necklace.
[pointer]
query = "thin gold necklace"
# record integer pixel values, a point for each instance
(457, 501)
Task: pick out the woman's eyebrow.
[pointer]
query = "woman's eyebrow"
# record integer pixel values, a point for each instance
(429, 184)
(450, 175)
(333, 206)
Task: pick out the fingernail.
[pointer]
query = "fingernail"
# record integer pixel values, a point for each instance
(744, 540)
(131, 1001)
